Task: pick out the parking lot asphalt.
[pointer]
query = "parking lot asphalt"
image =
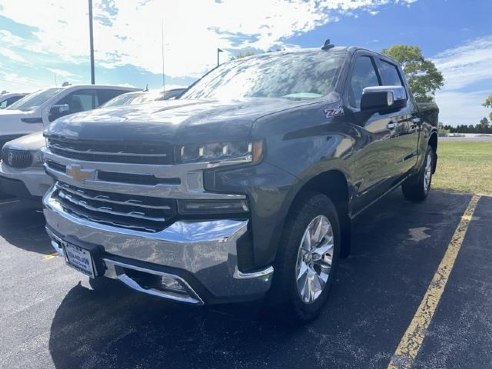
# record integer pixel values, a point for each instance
(52, 318)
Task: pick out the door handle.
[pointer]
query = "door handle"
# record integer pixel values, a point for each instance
(415, 122)
(391, 125)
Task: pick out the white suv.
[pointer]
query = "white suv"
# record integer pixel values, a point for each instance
(21, 170)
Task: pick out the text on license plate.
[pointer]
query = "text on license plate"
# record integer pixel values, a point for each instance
(79, 259)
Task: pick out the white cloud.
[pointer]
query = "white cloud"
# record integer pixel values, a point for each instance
(462, 108)
(466, 64)
(463, 67)
(12, 55)
(130, 32)
(12, 81)
(61, 72)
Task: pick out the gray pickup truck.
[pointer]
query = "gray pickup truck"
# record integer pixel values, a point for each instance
(246, 186)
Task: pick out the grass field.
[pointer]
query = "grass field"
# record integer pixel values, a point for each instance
(464, 166)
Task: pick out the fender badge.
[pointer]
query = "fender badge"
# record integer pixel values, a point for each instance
(335, 112)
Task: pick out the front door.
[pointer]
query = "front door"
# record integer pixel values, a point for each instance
(371, 165)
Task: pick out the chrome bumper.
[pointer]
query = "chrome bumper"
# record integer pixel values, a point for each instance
(206, 250)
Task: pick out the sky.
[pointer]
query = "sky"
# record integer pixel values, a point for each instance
(46, 42)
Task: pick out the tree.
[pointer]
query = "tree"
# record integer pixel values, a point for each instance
(423, 76)
(488, 104)
(483, 126)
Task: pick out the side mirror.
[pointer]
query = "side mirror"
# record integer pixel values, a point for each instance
(59, 109)
(383, 99)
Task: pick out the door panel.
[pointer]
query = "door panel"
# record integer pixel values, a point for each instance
(371, 165)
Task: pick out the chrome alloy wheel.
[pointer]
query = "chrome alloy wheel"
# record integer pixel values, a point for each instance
(314, 259)
(428, 172)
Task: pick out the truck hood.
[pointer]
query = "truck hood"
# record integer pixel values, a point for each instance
(6, 114)
(176, 121)
(33, 142)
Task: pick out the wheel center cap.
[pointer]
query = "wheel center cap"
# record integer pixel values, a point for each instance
(308, 257)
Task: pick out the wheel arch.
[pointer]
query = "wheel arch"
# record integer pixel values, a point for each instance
(333, 184)
(433, 144)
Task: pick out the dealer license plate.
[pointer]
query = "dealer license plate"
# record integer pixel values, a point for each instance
(79, 259)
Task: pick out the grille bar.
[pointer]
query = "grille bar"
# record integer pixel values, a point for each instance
(134, 212)
(119, 152)
(16, 158)
(109, 198)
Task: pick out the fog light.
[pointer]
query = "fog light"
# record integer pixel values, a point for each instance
(171, 284)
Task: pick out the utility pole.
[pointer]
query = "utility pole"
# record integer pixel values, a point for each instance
(162, 42)
(91, 41)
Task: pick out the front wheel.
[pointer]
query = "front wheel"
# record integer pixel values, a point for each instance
(307, 258)
(417, 188)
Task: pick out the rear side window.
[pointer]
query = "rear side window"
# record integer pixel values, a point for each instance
(106, 95)
(389, 74)
(363, 75)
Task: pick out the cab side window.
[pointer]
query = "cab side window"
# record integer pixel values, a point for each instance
(106, 95)
(389, 74)
(77, 101)
(363, 75)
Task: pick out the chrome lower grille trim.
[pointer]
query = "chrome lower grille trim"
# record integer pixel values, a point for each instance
(117, 269)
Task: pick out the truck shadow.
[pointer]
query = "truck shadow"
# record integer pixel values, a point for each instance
(396, 248)
(22, 225)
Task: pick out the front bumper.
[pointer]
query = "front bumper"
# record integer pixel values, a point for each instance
(201, 255)
(26, 183)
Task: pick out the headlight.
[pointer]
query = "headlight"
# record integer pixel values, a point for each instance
(37, 158)
(208, 207)
(244, 152)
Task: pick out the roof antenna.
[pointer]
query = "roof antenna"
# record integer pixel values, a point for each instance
(327, 45)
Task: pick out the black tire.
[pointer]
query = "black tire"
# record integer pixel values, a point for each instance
(417, 188)
(284, 297)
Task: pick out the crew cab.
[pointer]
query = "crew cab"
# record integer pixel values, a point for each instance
(9, 98)
(21, 168)
(246, 186)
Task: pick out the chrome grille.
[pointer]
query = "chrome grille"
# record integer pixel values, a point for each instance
(144, 213)
(113, 152)
(16, 158)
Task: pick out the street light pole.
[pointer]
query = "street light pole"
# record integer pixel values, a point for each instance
(91, 41)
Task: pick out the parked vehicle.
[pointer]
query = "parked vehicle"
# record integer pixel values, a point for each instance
(21, 170)
(142, 97)
(34, 112)
(8, 99)
(246, 185)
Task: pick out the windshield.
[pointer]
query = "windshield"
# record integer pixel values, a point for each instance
(304, 75)
(132, 99)
(34, 100)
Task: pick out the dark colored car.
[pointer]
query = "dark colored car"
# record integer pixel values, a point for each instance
(244, 187)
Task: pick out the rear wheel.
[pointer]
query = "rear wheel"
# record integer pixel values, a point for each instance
(417, 188)
(307, 258)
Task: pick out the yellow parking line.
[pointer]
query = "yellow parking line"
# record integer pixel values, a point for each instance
(50, 256)
(412, 340)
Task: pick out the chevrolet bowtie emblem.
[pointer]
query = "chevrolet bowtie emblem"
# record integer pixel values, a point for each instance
(78, 174)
